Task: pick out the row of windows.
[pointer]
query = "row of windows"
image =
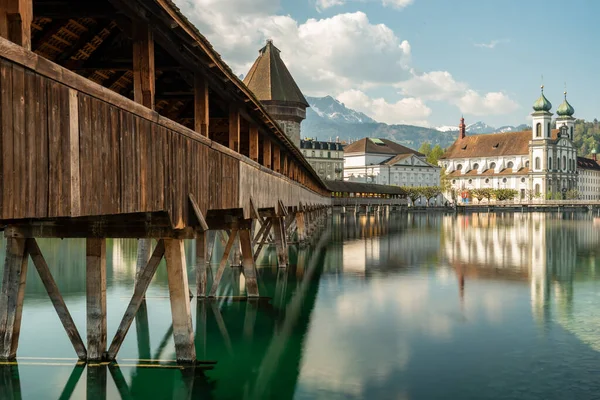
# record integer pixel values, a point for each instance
(492, 165)
(323, 154)
(487, 180)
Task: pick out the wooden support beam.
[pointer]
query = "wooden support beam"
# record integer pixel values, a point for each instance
(145, 275)
(234, 128)
(268, 224)
(254, 142)
(280, 241)
(248, 263)
(64, 58)
(267, 155)
(143, 64)
(49, 30)
(201, 105)
(201, 257)
(57, 300)
(96, 297)
(15, 21)
(11, 297)
(183, 330)
(276, 159)
(144, 251)
(217, 279)
(300, 225)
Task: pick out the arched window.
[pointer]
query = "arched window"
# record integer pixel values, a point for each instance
(493, 165)
(522, 180)
(510, 164)
(564, 162)
(571, 133)
(475, 166)
(459, 167)
(503, 180)
(470, 181)
(537, 163)
(526, 164)
(537, 188)
(487, 180)
(549, 163)
(558, 163)
(538, 130)
(548, 129)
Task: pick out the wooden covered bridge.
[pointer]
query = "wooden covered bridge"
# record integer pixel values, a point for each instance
(118, 119)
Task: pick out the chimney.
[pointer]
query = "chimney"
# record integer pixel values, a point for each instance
(462, 129)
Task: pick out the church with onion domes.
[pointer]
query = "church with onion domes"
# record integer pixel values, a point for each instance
(542, 160)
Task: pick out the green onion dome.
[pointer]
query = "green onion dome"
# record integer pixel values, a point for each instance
(542, 104)
(565, 109)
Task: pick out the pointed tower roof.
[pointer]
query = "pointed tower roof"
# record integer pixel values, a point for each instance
(270, 79)
(542, 103)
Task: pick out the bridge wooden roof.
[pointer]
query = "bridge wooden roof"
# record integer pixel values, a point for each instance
(360, 187)
(94, 39)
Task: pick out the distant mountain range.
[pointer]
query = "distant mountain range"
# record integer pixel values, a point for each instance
(328, 119)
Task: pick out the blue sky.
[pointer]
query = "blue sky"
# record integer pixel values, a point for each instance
(422, 62)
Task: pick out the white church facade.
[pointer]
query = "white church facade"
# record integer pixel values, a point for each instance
(542, 160)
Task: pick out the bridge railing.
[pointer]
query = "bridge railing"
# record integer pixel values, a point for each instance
(73, 148)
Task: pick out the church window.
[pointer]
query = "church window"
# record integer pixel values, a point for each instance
(558, 163)
(537, 163)
(470, 181)
(504, 180)
(526, 164)
(475, 166)
(537, 188)
(522, 180)
(493, 165)
(548, 129)
(459, 167)
(564, 162)
(571, 133)
(538, 130)
(487, 180)
(510, 164)
(550, 163)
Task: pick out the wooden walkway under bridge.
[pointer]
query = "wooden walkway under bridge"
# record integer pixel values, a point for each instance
(118, 119)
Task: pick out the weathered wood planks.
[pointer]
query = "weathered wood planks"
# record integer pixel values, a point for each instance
(96, 297)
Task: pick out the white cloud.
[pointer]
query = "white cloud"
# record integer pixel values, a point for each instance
(441, 86)
(325, 4)
(397, 3)
(406, 111)
(492, 103)
(325, 56)
(491, 44)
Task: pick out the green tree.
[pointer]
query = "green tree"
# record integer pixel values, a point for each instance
(435, 154)
(413, 192)
(479, 194)
(505, 194)
(430, 192)
(572, 194)
(425, 148)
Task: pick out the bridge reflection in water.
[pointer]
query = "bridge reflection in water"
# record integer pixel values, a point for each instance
(264, 348)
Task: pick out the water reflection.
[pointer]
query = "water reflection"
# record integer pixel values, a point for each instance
(485, 305)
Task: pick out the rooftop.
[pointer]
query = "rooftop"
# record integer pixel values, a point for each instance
(379, 146)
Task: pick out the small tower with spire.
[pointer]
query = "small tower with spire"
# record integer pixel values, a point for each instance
(462, 128)
(271, 82)
(565, 117)
(542, 118)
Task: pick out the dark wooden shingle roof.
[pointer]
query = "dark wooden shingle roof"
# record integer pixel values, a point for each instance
(379, 146)
(270, 80)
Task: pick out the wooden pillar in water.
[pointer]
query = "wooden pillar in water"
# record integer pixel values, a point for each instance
(280, 241)
(301, 228)
(201, 105)
(11, 297)
(96, 297)
(15, 21)
(248, 262)
(183, 331)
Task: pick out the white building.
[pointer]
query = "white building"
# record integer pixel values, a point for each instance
(542, 160)
(384, 162)
(327, 158)
(588, 178)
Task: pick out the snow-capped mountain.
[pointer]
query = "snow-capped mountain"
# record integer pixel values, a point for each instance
(331, 109)
(482, 127)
